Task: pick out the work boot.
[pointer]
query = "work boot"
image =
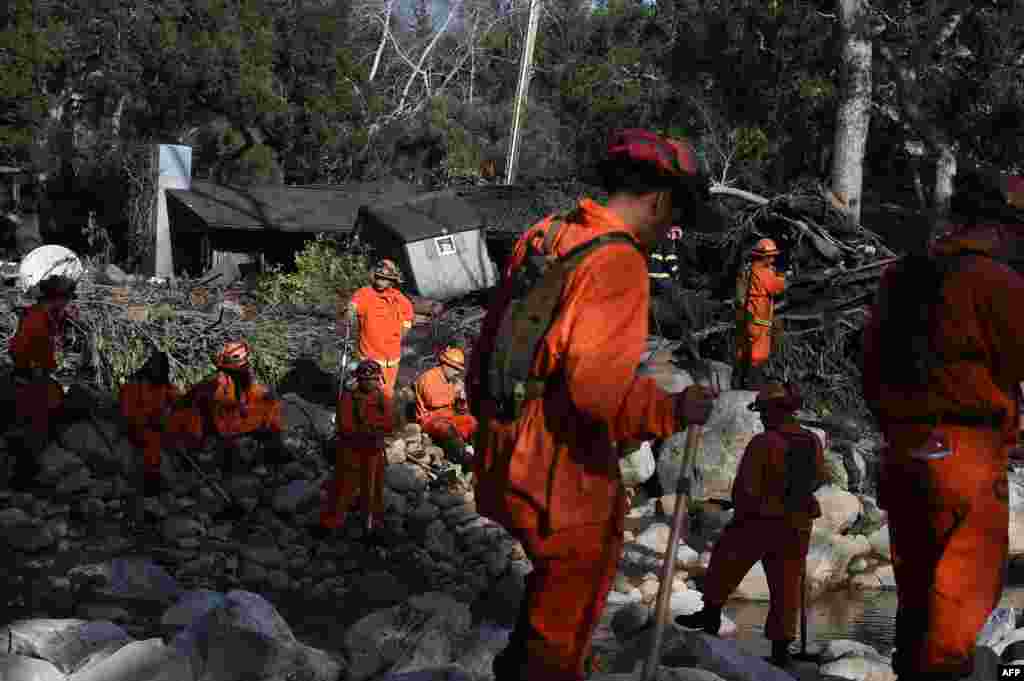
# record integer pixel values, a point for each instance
(781, 656)
(708, 620)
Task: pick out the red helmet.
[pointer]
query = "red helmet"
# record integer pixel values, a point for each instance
(765, 248)
(671, 158)
(785, 396)
(234, 355)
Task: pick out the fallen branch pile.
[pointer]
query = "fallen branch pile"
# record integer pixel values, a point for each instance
(118, 327)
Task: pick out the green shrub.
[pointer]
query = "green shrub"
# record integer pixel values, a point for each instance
(323, 271)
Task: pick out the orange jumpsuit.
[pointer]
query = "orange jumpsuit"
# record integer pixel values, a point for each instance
(216, 405)
(949, 517)
(762, 529)
(34, 348)
(383, 318)
(755, 335)
(143, 406)
(363, 419)
(435, 407)
(552, 476)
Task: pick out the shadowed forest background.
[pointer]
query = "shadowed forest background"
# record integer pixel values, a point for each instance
(329, 91)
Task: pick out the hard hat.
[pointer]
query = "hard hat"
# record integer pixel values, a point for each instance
(453, 357)
(781, 395)
(765, 248)
(369, 370)
(669, 157)
(387, 269)
(234, 355)
(57, 286)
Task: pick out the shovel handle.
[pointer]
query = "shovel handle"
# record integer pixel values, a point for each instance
(680, 518)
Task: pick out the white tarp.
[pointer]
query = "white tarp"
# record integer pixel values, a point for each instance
(47, 261)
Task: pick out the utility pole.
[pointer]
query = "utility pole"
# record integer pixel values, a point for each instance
(525, 71)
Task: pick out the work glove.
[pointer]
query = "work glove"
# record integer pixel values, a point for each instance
(694, 405)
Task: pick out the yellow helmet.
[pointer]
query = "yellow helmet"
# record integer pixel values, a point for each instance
(453, 357)
(765, 248)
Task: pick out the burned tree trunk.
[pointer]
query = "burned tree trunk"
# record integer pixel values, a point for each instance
(854, 114)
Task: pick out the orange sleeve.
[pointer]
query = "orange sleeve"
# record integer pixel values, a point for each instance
(604, 329)
(771, 282)
(1001, 302)
(31, 346)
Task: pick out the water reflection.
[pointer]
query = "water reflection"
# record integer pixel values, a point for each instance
(865, 616)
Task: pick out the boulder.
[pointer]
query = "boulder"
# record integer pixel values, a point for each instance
(477, 650)
(725, 658)
(246, 637)
(638, 466)
(67, 643)
(413, 636)
(840, 648)
(726, 435)
(136, 579)
(299, 413)
(839, 508)
(828, 559)
(880, 543)
(21, 668)
(403, 479)
(57, 462)
(858, 669)
(149, 660)
(1000, 624)
(630, 619)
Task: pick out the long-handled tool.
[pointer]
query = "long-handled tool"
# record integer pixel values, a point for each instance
(803, 655)
(234, 509)
(680, 531)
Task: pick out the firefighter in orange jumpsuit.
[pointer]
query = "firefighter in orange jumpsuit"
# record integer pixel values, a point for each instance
(943, 356)
(756, 288)
(551, 474)
(441, 408)
(382, 316)
(774, 510)
(147, 402)
(365, 416)
(231, 404)
(38, 398)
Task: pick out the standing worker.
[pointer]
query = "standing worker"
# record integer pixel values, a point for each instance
(756, 288)
(147, 401)
(38, 398)
(554, 388)
(773, 496)
(441, 406)
(381, 316)
(231, 404)
(365, 416)
(943, 356)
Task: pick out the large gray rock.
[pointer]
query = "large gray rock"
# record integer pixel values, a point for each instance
(725, 658)
(402, 478)
(21, 668)
(69, 644)
(476, 651)
(1000, 624)
(839, 508)
(100, 443)
(726, 436)
(415, 636)
(56, 462)
(247, 638)
(299, 413)
(191, 606)
(149, 660)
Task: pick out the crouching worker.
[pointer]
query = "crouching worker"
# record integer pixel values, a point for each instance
(441, 406)
(232, 404)
(365, 416)
(775, 506)
(148, 401)
(37, 397)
